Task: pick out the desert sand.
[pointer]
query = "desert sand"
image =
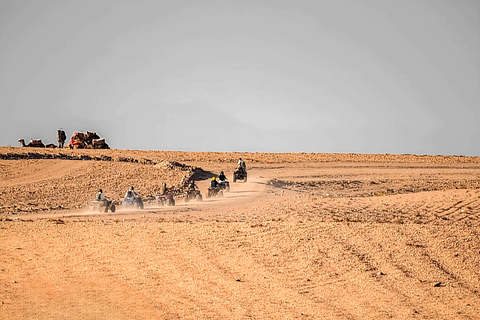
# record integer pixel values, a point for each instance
(308, 236)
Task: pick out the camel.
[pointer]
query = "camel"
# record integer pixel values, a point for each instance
(36, 143)
(90, 136)
(77, 141)
(99, 144)
(82, 140)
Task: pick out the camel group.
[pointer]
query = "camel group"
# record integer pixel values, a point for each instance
(89, 140)
(79, 140)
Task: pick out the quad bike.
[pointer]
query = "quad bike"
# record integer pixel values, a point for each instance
(239, 174)
(102, 206)
(214, 192)
(164, 199)
(224, 185)
(193, 194)
(135, 202)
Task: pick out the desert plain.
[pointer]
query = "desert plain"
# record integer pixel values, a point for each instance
(308, 236)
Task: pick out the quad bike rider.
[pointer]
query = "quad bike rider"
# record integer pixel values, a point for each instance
(240, 172)
(214, 190)
(102, 203)
(131, 199)
(192, 192)
(164, 197)
(223, 183)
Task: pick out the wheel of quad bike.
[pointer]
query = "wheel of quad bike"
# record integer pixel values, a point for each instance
(220, 193)
(208, 193)
(140, 205)
(245, 178)
(228, 189)
(171, 202)
(159, 203)
(112, 208)
(187, 198)
(198, 197)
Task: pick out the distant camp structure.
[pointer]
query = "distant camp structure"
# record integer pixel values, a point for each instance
(89, 140)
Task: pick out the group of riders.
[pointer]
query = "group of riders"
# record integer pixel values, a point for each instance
(222, 178)
(214, 183)
(131, 194)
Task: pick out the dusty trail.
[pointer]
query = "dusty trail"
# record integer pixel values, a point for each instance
(210, 208)
(300, 240)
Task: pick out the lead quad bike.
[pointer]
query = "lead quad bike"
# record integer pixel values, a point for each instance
(240, 174)
(135, 202)
(164, 199)
(102, 206)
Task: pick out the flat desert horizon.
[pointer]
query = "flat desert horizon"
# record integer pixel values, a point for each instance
(307, 236)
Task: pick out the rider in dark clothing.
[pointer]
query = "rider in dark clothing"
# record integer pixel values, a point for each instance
(213, 183)
(222, 177)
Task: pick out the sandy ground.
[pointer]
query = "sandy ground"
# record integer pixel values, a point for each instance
(309, 236)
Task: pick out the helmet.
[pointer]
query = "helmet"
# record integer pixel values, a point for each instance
(221, 172)
(100, 191)
(131, 188)
(213, 178)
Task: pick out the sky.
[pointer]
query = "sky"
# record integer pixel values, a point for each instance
(343, 76)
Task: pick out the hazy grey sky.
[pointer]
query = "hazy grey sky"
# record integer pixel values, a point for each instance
(371, 76)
